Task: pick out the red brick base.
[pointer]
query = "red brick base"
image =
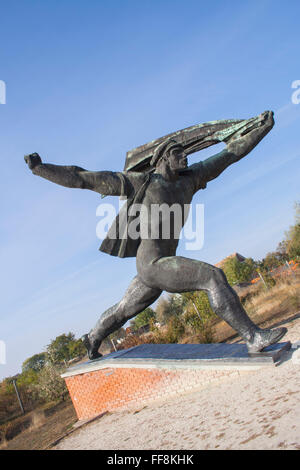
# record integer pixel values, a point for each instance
(109, 389)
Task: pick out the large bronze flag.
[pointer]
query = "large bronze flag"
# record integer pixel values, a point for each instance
(192, 138)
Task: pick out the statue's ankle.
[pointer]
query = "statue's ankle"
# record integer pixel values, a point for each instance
(251, 336)
(92, 346)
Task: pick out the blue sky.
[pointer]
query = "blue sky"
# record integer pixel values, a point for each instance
(87, 81)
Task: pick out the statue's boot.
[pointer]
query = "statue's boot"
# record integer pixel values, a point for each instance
(137, 297)
(107, 324)
(227, 305)
(92, 348)
(264, 338)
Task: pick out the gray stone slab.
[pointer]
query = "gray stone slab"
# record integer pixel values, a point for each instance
(216, 351)
(217, 355)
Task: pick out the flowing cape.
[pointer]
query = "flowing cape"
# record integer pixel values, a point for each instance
(117, 241)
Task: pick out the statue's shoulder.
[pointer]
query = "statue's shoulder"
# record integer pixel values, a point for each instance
(136, 179)
(135, 176)
(197, 175)
(192, 170)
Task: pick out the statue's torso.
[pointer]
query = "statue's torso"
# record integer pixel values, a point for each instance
(153, 231)
(165, 210)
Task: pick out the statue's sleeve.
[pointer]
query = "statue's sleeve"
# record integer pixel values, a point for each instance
(107, 183)
(131, 181)
(114, 184)
(215, 165)
(212, 167)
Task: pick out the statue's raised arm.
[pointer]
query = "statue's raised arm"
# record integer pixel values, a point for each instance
(103, 182)
(239, 145)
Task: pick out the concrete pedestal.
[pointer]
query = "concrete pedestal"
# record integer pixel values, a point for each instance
(132, 378)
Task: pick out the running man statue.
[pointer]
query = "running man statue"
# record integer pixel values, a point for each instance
(157, 173)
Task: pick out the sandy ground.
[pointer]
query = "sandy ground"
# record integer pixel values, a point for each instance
(260, 410)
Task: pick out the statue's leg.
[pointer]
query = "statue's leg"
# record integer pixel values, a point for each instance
(137, 297)
(179, 274)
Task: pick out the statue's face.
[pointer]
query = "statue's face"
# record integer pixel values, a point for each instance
(177, 158)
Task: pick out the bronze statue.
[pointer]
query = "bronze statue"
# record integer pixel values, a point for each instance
(158, 173)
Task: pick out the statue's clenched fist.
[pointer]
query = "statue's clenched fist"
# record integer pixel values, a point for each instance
(267, 118)
(32, 160)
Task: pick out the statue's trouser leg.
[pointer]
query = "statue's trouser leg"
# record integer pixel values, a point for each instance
(137, 297)
(179, 274)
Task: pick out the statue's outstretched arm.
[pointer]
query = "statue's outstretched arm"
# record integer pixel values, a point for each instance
(103, 182)
(238, 147)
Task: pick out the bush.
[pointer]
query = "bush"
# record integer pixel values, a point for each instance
(172, 333)
(169, 307)
(268, 280)
(134, 340)
(199, 315)
(238, 271)
(51, 386)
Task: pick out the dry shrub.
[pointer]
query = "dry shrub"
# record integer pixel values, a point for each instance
(171, 333)
(282, 298)
(15, 427)
(247, 293)
(175, 331)
(203, 335)
(134, 340)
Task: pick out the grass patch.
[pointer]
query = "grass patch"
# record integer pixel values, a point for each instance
(38, 429)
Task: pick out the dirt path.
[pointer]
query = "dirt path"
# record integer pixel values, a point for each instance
(256, 411)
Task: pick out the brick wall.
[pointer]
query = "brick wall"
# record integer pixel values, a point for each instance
(109, 389)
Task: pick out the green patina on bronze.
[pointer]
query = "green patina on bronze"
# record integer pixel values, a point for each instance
(193, 139)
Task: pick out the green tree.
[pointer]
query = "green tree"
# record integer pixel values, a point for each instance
(35, 362)
(238, 271)
(293, 246)
(76, 349)
(64, 348)
(28, 378)
(50, 385)
(272, 260)
(142, 319)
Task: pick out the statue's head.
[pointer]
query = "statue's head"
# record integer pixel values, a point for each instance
(170, 153)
